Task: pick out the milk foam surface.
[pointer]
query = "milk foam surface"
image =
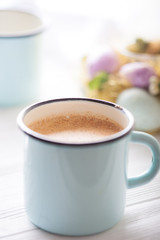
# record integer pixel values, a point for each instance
(76, 128)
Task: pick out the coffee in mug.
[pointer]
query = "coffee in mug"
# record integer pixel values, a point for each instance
(75, 127)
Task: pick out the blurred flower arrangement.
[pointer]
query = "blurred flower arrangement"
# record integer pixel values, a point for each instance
(130, 78)
(107, 72)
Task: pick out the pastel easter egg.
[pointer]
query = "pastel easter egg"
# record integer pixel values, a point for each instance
(138, 73)
(102, 60)
(144, 107)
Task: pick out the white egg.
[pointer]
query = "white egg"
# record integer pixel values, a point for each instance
(144, 107)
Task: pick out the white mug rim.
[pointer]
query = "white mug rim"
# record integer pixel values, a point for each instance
(30, 32)
(44, 138)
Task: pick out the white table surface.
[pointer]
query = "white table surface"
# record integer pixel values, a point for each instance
(142, 214)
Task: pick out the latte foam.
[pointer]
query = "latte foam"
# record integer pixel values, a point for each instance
(76, 128)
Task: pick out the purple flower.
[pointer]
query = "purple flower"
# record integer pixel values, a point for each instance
(103, 60)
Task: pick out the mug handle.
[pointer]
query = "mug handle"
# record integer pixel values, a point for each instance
(154, 146)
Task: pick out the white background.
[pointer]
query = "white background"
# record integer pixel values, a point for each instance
(75, 26)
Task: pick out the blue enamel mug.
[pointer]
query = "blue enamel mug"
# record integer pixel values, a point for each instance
(80, 188)
(20, 47)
